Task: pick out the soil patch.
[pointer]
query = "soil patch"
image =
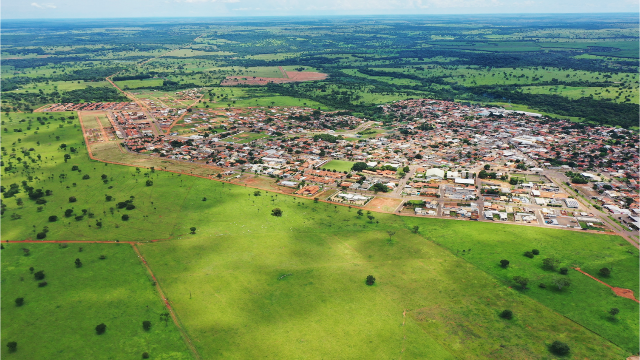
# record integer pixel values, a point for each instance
(383, 204)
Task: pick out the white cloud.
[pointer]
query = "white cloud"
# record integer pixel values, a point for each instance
(44, 5)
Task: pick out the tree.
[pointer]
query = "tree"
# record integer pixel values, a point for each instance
(360, 213)
(522, 281)
(145, 355)
(19, 301)
(72, 199)
(12, 345)
(125, 217)
(101, 328)
(504, 263)
(99, 224)
(276, 212)
(564, 271)
(257, 193)
(193, 229)
(42, 284)
(78, 263)
(559, 348)
(370, 280)
(550, 263)
(53, 218)
(606, 272)
(507, 314)
(149, 183)
(370, 217)
(390, 233)
(146, 325)
(359, 166)
(41, 235)
(612, 312)
(377, 187)
(39, 275)
(561, 282)
(535, 252)
(528, 254)
(415, 229)
(487, 167)
(68, 212)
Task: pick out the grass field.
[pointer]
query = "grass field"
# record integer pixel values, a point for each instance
(584, 301)
(58, 321)
(136, 84)
(225, 281)
(338, 165)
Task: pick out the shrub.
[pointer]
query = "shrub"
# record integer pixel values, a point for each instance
(149, 183)
(371, 280)
(507, 314)
(145, 355)
(146, 325)
(564, 271)
(550, 263)
(78, 263)
(542, 286)
(130, 207)
(68, 212)
(39, 275)
(276, 212)
(605, 272)
(613, 311)
(53, 218)
(102, 257)
(529, 254)
(535, 252)
(19, 301)
(72, 199)
(42, 284)
(41, 235)
(100, 329)
(12, 345)
(125, 217)
(559, 348)
(522, 281)
(504, 263)
(85, 177)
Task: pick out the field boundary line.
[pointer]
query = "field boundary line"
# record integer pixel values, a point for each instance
(174, 317)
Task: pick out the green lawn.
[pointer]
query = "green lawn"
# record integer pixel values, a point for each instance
(338, 165)
(58, 321)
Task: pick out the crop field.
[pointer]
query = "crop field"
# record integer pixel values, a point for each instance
(58, 321)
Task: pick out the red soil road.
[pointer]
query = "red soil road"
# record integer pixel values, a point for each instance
(291, 76)
(625, 293)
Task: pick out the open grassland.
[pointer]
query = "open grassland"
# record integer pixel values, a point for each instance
(58, 321)
(225, 281)
(136, 84)
(585, 301)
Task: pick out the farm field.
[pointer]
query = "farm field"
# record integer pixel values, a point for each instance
(58, 321)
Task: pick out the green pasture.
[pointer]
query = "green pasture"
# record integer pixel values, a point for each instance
(585, 301)
(136, 84)
(609, 93)
(58, 321)
(338, 165)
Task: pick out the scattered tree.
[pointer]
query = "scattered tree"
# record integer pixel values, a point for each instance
(78, 263)
(145, 355)
(528, 254)
(193, 229)
(564, 271)
(39, 275)
(606, 272)
(125, 217)
(257, 193)
(149, 183)
(504, 263)
(12, 345)
(41, 235)
(561, 282)
(559, 348)
(415, 229)
(507, 314)
(612, 312)
(19, 301)
(370, 217)
(100, 329)
(72, 199)
(42, 284)
(535, 252)
(522, 281)
(370, 280)
(360, 213)
(550, 263)
(53, 218)
(276, 212)
(146, 325)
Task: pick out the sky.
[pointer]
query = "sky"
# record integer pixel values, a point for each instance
(40, 9)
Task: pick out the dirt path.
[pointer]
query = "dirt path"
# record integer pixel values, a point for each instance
(625, 293)
(284, 72)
